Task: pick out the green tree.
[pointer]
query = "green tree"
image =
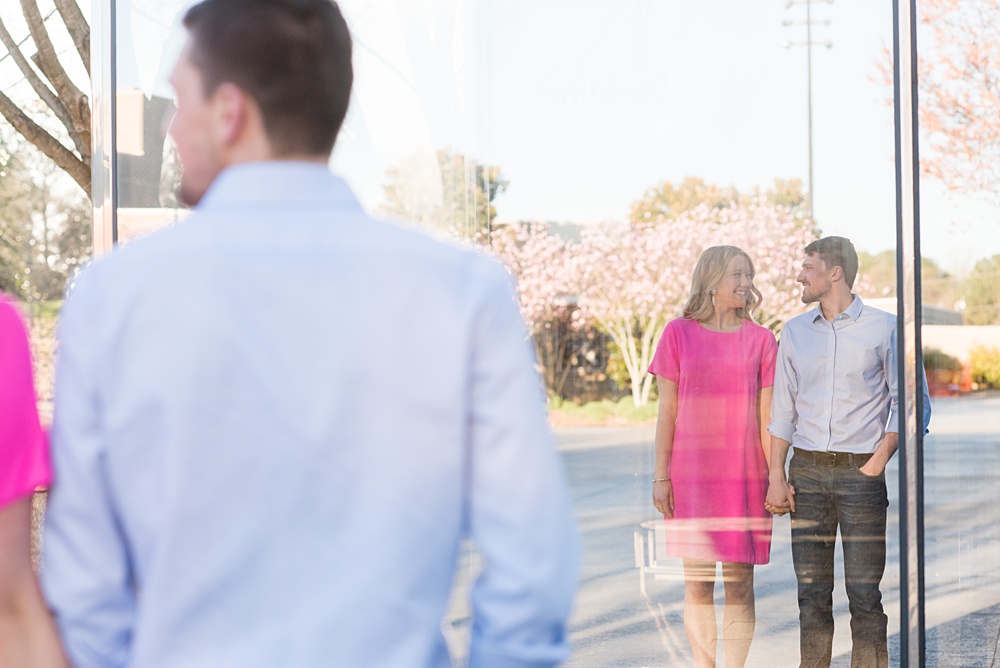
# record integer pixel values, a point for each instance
(982, 293)
(938, 287)
(667, 200)
(45, 225)
(13, 216)
(448, 191)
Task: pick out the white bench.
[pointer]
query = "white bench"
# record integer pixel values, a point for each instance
(650, 544)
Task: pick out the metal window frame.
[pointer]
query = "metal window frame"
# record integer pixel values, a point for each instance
(910, 357)
(104, 79)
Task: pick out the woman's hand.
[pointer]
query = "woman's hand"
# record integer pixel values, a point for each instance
(663, 498)
(780, 498)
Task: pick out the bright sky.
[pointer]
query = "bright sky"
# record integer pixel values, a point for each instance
(585, 104)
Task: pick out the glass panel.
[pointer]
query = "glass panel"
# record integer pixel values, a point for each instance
(148, 42)
(597, 148)
(961, 244)
(601, 225)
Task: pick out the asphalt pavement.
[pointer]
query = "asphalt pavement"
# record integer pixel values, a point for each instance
(615, 624)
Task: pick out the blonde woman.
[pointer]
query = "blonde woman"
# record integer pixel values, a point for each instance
(714, 370)
(27, 633)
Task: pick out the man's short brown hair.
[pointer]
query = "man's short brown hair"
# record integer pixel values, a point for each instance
(837, 252)
(293, 57)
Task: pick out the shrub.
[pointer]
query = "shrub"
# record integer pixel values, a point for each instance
(935, 359)
(606, 411)
(985, 366)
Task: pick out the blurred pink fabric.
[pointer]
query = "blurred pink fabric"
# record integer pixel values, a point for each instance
(717, 468)
(24, 452)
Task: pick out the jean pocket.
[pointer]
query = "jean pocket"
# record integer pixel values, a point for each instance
(869, 477)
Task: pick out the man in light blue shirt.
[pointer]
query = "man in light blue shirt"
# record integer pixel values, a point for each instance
(276, 421)
(835, 401)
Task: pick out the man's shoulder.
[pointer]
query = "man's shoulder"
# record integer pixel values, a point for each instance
(144, 253)
(194, 244)
(433, 256)
(878, 315)
(799, 322)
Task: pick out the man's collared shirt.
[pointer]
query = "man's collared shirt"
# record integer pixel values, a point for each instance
(835, 382)
(275, 423)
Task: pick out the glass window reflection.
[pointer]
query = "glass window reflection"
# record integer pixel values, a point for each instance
(598, 149)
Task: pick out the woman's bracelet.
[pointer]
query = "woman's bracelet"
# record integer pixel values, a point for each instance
(661, 479)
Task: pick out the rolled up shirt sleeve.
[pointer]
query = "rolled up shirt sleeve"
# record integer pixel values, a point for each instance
(891, 372)
(783, 416)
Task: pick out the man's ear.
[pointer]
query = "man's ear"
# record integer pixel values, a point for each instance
(837, 274)
(231, 109)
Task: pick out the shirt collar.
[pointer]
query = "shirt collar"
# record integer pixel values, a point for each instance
(853, 311)
(292, 183)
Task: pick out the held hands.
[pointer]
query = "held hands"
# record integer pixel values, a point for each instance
(663, 498)
(780, 498)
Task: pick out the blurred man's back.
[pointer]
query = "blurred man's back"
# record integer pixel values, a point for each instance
(276, 421)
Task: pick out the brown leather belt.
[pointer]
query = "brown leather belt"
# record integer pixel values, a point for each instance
(832, 458)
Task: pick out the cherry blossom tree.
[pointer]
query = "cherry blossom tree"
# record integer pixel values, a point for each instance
(539, 261)
(959, 89)
(634, 280)
(541, 264)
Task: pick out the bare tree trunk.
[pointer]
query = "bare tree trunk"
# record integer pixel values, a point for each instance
(41, 89)
(79, 29)
(46, 143)
(69, 105)
(71, 97)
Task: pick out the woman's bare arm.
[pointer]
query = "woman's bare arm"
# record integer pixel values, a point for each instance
(28, 637)
(663, 491)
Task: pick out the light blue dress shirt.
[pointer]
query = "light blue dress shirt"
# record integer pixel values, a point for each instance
(274, 424)
(835, 386)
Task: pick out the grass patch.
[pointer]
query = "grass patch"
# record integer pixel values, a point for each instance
(606, 412)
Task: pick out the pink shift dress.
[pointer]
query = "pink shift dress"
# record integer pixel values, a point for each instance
(24, 454)
(717, 467)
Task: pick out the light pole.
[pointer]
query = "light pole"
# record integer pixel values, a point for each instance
(808, 43)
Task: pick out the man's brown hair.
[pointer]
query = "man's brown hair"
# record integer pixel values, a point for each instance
(293, 57)
(837, 252)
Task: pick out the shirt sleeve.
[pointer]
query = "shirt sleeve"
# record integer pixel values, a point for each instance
(24, 458)
(768, 359)
(891, 372)
(927, 400)
(786, 385)
(86, 574)
(519, 510)
(666, 361)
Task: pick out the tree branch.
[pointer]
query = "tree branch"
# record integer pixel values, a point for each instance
(78, 28)
(46, 143)
(36, 83)
(72, 98)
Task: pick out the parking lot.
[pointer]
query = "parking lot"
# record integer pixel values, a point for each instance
(615, 624)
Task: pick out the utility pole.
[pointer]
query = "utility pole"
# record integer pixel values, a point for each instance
(808, 43)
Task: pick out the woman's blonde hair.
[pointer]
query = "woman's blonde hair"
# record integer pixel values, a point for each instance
(708, 273)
